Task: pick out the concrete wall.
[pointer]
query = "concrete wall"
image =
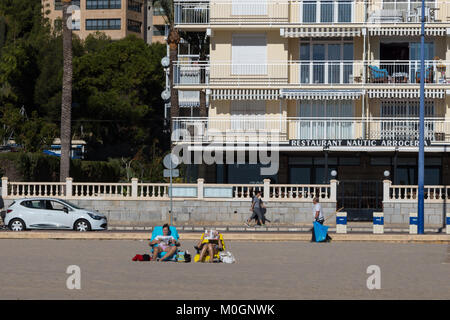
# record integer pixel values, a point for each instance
(189, 212)
(398, 213)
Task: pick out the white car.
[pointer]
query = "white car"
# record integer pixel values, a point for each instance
(49, 213)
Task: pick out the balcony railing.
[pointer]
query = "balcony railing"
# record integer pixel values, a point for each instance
(270, 128)
(188, 12)
(309, 72)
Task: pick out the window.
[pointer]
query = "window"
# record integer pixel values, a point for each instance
(158, 11)
(249, 8)
(248, 115)
(102, 24)
(134, 26)
(59, 4)
(134, 5)
(248, 173)
(103, 4)
(326, 11)
(330, 62)
(159, 30)
(76, 24)
(405, 108)
(318, 119)
(406, 5)
(34, 204)
(402, 121)
(311, 171)
(55, 205)
(249, 54)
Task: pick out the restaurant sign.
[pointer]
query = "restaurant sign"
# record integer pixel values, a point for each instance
(355, 143)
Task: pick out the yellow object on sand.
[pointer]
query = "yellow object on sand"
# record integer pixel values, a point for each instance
(207, 257)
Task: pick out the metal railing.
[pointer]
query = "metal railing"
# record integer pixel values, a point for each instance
(271, 128)
(188, 12)
(314, 72)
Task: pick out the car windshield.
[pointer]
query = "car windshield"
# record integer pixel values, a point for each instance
(70, 204)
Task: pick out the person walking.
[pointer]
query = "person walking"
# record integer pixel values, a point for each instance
(318, 216)
(257, 210)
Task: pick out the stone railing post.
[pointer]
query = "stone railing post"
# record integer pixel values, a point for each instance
(69, 187)
(333, 190)
(413, 222)
(266, 191)
(200, 186)
(4, 187)
(378, 222)
(134, 187)
(341, 222)
(447, 222)
(386, 188)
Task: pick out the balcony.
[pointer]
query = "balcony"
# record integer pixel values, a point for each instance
(315, 73)
(261, 128)
(406, 12)
(307, 12)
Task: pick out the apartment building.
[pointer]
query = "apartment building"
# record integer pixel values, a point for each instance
(335, 83)
(116, 18)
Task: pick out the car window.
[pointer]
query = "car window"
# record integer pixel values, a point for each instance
(33, 204)
(57, 205)
(48, 205)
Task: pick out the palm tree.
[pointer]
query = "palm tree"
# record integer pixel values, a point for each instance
(173, 40)
(199, 42)
(64, 170)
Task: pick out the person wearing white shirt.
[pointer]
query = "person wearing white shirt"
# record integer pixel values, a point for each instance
(318, 216)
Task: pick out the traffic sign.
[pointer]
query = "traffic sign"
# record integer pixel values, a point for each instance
(175, 173)
(171, 160)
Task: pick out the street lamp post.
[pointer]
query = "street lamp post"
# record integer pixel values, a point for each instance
(420, 205)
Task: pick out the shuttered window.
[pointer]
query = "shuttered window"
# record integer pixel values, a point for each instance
(249, 8)
(248, 115)
(249, 54)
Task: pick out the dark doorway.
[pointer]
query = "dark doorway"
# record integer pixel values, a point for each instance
(394, 51)
(360, 199)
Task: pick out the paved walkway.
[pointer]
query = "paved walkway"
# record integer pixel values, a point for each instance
(237, 236)
(264, 270)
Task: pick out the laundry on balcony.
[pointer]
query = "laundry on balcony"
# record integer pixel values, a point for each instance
(429, 75)
(377, 75)
(386, 16)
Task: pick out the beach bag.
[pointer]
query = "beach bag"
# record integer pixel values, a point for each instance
(320, 231)
(226, 257)
(181, 257)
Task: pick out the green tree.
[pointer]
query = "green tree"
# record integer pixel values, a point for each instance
(173, 40)
(119, 86)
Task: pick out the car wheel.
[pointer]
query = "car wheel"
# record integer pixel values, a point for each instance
(82, 225)
(17, 225)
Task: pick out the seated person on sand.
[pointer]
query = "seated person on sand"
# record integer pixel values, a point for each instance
(165, 243)
(211, 242)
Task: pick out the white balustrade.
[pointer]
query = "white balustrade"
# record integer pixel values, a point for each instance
(310, 72)
(404, 131)
(407, 193)
(308, 12)
(303, 193)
